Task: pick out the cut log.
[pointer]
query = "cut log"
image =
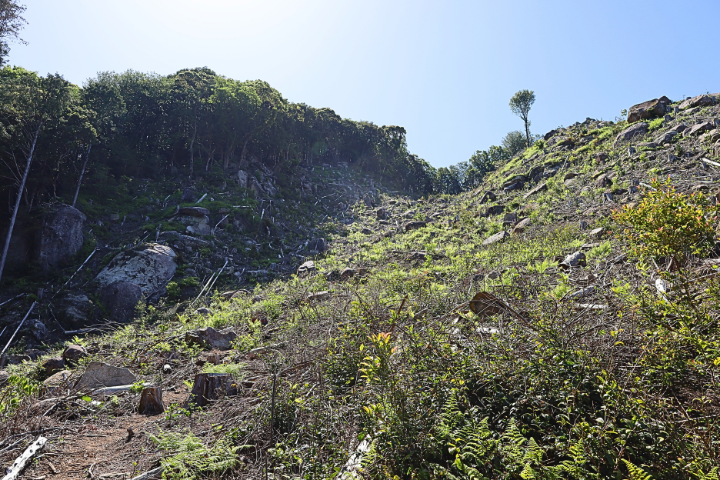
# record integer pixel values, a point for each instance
(211, 386)
(152, 474)
(17, 467)
(151, 401)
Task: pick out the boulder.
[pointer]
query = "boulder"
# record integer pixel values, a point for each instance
(98, 375)
(194, 211)
(604, 180)
(494, 210)
(601, 157)
(242, 177)
(540, 188)
(208, 337)
(381, 214)
(52, 366)
(366, 231)
(549, 134)
(73, 353)
(347, 273)
(488, 197)
(150, 267)
(510, 219)
(521, 226)
(60, 236)
(699, 128)
(120, 299)
(413, 226)
(76, 310)
(307, 267)
(651, 108)
(4, 377)
(498, 237)
(576, 259)
(631, 132)
(699, 101)
(318, 245)
(666, 137)
(57, 380)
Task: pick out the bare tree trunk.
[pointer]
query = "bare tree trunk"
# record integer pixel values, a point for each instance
(82, 172)
(527, 132)
(192, 144)
(17, 201)
(242, 155)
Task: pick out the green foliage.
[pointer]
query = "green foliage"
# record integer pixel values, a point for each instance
(13, 392)
(191, 459)
(668, 224)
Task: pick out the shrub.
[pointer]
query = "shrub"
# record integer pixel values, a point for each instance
(668, 224)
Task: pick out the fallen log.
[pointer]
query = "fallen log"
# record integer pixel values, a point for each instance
(19, 464)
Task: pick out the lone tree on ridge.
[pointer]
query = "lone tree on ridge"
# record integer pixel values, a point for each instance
(520, 105)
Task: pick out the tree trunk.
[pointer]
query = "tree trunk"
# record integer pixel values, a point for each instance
(527, 132)
(82, 172)
(242, 155)
(210, 386)
(192, 145)
(151, 401)
(17, 201)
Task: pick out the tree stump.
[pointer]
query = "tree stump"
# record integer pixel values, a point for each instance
(210, 386)
(151, 401)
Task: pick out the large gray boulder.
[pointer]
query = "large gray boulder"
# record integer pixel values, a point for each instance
(76, 310)
(98, 375)
(699, 101)
(633, 131)
(150, 267)
(61, 236)
(121, 298)
(651, 108)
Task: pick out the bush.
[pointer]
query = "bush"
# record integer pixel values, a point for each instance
(668, 224)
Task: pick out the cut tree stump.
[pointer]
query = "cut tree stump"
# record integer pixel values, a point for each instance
(211, 386)
(151, 401)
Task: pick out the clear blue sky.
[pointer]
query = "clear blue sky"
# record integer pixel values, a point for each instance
(444, 70)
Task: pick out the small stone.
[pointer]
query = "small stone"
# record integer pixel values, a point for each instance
(73, 353)
(52, 366)
(521, 226)
(366, 231)
(596, 232)
(203, 311)
(347, 273)
(318, 296)
(307, 267)
(510, 219)
(498, 237)
(576, 259)
(413, 225)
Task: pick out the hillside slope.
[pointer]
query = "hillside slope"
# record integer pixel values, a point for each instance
(516, 331)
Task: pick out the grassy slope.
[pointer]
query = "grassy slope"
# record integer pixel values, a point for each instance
(392, 356)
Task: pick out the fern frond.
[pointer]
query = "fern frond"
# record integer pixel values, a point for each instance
(636, 473)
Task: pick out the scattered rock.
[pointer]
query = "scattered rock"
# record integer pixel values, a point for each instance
(489, 196)
(633, 131)
(34, 353)
(76, 310)
(59, 379)
(699, 101)
(347, 273)
(417, 256)
(651, 108)
(60, 236)
(318, 245)
(413, 225)
(601, 157)
(150, 267)
(498, 237)
(381, 214)
(208, 337)
(666, 137)
(318, 296)
(306, 268)
(510, 219)
(98, 375)
(521, 226)
(494, 210)
(596, 233)
(203, 311)
(366, 231)
(604, 180)
(4, 376)
(576, 259)
(199, 212)
(540, 188)
(73, 353)
(52, 366)
(121, 299)
(699, 128)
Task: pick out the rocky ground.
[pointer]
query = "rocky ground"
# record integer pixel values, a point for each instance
(268, 344)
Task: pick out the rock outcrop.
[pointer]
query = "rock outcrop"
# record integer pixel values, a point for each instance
(61, 236)
(150, 267)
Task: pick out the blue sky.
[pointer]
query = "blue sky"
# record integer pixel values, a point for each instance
(443, 70)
